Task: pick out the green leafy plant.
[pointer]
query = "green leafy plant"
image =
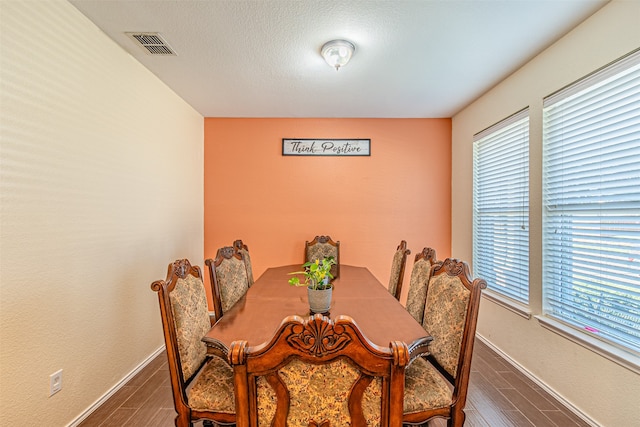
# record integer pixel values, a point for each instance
(317, 274)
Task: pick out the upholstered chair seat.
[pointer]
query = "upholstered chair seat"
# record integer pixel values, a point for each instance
(212, 388)
(424, 388)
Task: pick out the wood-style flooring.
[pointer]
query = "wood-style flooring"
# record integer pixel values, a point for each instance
(499, 396)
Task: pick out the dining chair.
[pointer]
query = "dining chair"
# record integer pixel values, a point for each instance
(436, 386)
(244, 250)
(318, 372)
(202, 385)
(228, 276)
(397, 269)
(321, 247)
(418, 282)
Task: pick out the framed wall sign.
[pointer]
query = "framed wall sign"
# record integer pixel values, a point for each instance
(326, 147)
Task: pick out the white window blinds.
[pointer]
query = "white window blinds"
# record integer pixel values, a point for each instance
(501, 206)
(591, 204)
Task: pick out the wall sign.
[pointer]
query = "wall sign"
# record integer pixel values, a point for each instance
(326, 147)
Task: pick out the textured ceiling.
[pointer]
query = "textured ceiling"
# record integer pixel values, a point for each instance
(260, 58)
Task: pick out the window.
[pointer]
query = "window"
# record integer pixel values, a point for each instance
(591, 205)
(501, 206)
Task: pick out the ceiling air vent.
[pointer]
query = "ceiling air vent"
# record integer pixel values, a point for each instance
(152, 43)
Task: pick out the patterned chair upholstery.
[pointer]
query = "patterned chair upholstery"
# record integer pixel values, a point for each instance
(397, 269)
(202, 385)
(228, 276)
(321, 247)
(318, 372)
(437, 386)
(244, 250)
(419, 281)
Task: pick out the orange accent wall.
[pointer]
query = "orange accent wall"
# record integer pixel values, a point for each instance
(274, 203)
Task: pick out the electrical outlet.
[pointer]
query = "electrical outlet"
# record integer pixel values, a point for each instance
(55, 382)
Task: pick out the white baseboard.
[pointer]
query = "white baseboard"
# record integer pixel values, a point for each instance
(114, 389)
(584, 417)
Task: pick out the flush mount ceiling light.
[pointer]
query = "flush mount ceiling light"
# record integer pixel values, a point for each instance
(337, 52)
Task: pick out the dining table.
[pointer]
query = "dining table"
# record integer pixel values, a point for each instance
(356, 293)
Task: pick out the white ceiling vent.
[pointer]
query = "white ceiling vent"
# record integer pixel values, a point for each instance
(152, 43)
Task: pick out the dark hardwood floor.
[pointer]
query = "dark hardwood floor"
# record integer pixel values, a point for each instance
(499, 396)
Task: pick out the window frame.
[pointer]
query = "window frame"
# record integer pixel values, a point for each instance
(552, 317)
(503, 148)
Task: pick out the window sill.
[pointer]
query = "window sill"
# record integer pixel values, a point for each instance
(615, 354)
(511, 305)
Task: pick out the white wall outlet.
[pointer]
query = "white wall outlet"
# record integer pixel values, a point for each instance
(55, 382)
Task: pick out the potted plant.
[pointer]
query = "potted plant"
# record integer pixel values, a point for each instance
(317, 279)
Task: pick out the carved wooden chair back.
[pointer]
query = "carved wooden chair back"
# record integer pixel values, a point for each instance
(202, 385)
(420, 274)
(321, 247)
(397, 269)
(319, 372)
(244, 250)
(228, 275)
(437, 386)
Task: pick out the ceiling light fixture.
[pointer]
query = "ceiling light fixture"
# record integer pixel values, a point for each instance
(337, 52)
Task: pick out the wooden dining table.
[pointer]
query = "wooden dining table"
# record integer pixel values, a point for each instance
(356, 293)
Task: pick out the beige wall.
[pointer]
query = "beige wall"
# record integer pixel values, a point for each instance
(605, 391)
(101, 187)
